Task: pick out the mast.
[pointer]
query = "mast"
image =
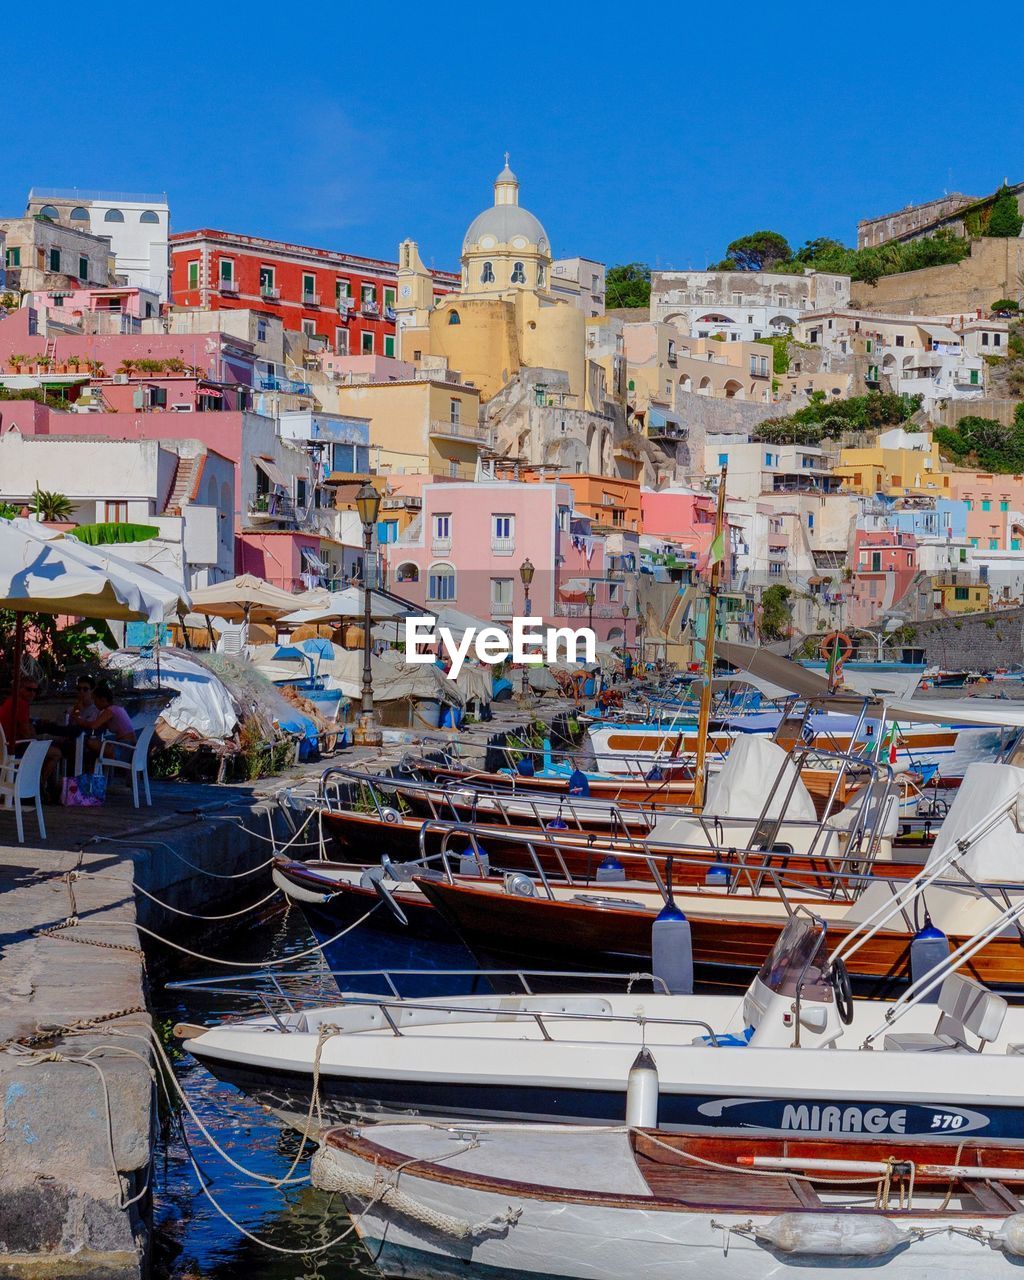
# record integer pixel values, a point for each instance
(704, 717)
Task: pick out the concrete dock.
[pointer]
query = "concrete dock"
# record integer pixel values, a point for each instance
(77, 1110)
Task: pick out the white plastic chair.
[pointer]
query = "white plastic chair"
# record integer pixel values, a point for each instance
(22, 780)
(136, 765)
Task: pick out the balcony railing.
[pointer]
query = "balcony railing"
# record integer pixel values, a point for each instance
(345, 304)
(270, 291)
(310, 299)
(503, 546)
(441, 546)
(502, 609)
(369, 308)
(273, 506)
(460, 430)
(228, 286)
(287, 385)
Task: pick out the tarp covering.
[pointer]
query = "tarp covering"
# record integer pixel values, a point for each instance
(203, 707)
(998, 854)
(788, 675)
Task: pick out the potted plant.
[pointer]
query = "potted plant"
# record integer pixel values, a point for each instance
(127, 366)
(16, 362)
(52, 507)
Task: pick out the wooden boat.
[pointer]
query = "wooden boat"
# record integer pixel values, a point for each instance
(602, 1204)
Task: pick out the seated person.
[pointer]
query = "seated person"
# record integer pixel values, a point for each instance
(84, 709)
(18, 728)
(111, 721)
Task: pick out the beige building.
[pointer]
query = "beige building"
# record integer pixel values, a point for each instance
(991, 271)
(41, 254)
(419, 426)
(660, 363)
(910, 221)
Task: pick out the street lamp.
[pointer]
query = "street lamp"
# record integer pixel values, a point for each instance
(367, 733)
(526, 572)
(590, 597)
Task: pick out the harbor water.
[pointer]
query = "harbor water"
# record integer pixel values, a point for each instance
(192, 1240)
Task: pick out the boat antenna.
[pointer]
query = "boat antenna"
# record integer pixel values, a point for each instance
(716, 557)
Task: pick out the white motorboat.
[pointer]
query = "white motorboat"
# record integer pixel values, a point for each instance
(433, 1202)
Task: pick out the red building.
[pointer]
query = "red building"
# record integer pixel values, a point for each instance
(347, 300)
(884, 565)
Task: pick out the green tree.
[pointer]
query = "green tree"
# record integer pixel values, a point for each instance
(821, 247)
(1007, 305)
(776, 613)
(628, 285)
(52, 506)
(759, 251)
(1005, 219)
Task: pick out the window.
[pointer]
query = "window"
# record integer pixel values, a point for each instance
(997, 339)
(12, 258)
(961, 593)
(267, 276)
(1015, 544)
(441, 583)
(868, 345)
(83, 268)
(503, 532)
(309, 328)
(723, 459)
(78, 214)
(341, 341)
(387, 531)
(300, 491)
(984, 339)
(149, 216)
(407, 572)
(900, 339)
(487, 273)
(49, 211)
(969, 504)
(113, 215)
(810, 520)
(1004, 505)
(974, 542)
(518, 273)
(454, 410)
(454, 317)
(986, 504)
(308, 287)
(227, 270)
(442, 527)
(975, 377)
(193, 274)
(366, 343)
(368, 295)
(342, 294)
(501, 597)
(54, 258)
(389, 344)
(540, 277)
(261, 329)
(115, 512)
(993, 544)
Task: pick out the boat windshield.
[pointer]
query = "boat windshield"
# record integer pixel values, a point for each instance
(798, 959)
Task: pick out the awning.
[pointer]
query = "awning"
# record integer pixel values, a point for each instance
(313, 561)
(662, 418)
(271, 470)
(939, 332)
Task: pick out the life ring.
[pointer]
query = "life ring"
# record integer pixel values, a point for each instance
(836, 638)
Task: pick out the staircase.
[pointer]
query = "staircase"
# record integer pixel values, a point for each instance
(181, 486)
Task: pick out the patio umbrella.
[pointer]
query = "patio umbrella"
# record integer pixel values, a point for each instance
(249, 599)
(46, 571)
(348, 603)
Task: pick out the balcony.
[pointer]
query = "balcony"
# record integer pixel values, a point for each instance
(310, 299)
(267, 508)
(441, 546)
(369, 308)
(286, 385)
(228, 286)
(460, 431)
(502, 609)
(344, 303)
(503, 546)
(270, 292)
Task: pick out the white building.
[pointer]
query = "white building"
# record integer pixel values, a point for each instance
(137, 225)
(179, 487)
(580, 281)
(742, 305)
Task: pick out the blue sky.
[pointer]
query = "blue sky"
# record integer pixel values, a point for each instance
(639, 131)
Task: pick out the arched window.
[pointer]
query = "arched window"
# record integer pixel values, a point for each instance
(454, 317)
(149, 215)
(49, 211)
(407, 572)
(113, 215)
(487, 273)
(540, 276)
(518, 273)
(441, 585)
(79, 214)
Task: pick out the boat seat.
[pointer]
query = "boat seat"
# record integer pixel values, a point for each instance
(964, 1006)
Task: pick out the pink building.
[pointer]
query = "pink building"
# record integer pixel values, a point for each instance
(884, 564)
(470, 541)
(679, 515)
(995, 508)
(112, 310)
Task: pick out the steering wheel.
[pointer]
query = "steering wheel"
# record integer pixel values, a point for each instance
(842, 989)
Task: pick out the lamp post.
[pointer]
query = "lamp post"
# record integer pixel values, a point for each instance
(367, 733)
(590, 597)
(526, 572)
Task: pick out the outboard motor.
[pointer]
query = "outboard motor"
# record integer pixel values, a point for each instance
(929, 950)
(672, 945)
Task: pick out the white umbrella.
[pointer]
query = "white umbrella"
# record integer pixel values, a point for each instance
(45, 571)
(348, 603)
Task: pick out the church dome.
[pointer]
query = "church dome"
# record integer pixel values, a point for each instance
(506, 222)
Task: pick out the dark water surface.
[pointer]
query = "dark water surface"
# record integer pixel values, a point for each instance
(192, 1240)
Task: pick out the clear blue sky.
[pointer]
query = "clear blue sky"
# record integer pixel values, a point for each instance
(643, 131)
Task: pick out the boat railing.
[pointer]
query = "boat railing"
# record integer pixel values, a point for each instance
(922, 988)
(497, 805)
(930, 875)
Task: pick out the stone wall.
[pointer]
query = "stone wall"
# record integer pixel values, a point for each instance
(973, 641)
(991, 272)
